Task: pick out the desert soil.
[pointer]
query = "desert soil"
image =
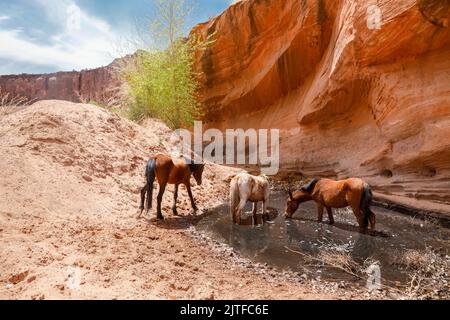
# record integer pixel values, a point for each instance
(69, 190)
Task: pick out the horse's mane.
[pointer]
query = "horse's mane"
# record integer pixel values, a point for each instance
(193, 166)
(309, 187)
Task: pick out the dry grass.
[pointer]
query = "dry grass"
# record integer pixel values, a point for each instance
(8, 102)
(342, 261)
(428, 270)
(337, 259)
(429, 273)
(114, 99)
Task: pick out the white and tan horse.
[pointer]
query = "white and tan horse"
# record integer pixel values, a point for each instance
(245, 187)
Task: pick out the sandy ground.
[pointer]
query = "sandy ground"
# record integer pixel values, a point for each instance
(70, 176)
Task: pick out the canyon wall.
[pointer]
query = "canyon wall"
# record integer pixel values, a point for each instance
(101, 85)
(357, 88)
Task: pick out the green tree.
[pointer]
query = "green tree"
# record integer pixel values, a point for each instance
(161, 82)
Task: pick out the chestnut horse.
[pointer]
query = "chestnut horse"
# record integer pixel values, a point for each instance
(245, 187)
(168, 170)
(329, 194)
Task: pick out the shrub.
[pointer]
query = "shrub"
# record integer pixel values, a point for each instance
(161, 82)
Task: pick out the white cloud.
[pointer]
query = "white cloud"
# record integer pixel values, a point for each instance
(80, 40)
(3, 18)
(20, 49)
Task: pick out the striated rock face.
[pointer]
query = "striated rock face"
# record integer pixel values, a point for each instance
(100, 85)
(358, 88)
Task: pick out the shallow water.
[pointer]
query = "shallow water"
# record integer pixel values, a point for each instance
(273, 241)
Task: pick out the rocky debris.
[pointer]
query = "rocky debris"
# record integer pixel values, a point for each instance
(19, 277)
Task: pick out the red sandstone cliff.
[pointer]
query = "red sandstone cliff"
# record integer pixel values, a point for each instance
(350, 100)
(100, 85)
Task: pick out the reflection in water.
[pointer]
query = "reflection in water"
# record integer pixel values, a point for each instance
(364, 247)
(253, 245)
(267, 243)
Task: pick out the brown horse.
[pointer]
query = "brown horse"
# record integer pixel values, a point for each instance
(329, 194)
(168, 170)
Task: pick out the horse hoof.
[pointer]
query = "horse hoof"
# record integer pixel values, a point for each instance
(331, 223)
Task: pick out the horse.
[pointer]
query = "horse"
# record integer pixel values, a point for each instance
(329, 194)
(245, 187)
(168, 170)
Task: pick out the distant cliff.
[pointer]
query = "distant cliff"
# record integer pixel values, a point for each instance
(100, 85)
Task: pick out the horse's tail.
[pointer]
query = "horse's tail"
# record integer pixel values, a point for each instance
(150, 174)
(366, 202)
(234, 198)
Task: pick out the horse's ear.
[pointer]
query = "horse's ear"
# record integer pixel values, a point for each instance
(291, 196)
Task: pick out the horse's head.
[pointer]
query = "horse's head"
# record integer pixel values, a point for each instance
(298, 197)
(293, 202)
(291, 205)
(196, 169)
(197, 172)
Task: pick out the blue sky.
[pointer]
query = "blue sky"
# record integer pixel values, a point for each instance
(40, 36)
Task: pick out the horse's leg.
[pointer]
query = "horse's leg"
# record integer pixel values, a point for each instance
(175, 197)
(265, 215)
(234, 215)
(240, 208)
(255, 209)
(359, 216)
(372, 221)
(330, 215)
(162, 188)
(141, 207)
(188, 187)
(319, 212)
